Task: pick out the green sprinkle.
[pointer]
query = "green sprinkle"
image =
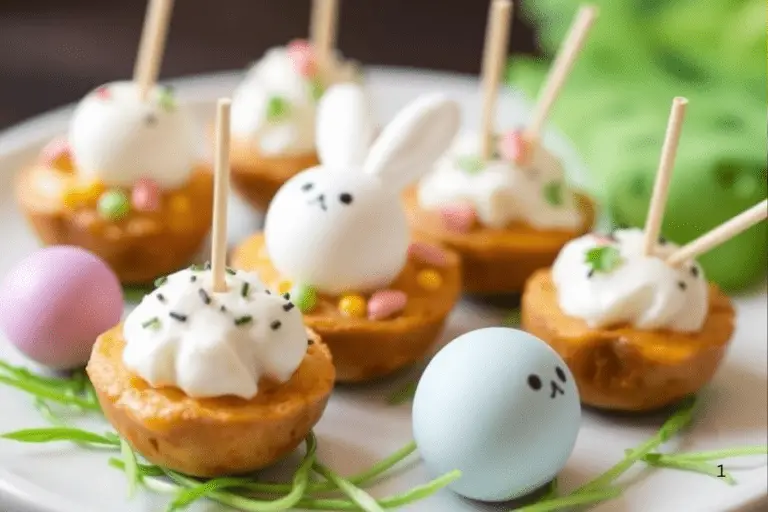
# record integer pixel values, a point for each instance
(166, 99)
(243, 320)
(553, 193)
(160, 281)
(316, 89)
(244, 290)
(153, 322)
(604, 258)
(114, 205)
(304, 296)
(471, 164)
(277, 108)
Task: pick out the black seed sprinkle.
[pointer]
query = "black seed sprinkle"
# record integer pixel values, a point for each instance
(275, 325)
(244, 290)
(695, 271)
(287, 296)
(160, 281)
(682, 285)
(204, 296)
(152, 322)
(160, 297)
(230, 271)
(243, 320)
(177, 316)
(289, 306)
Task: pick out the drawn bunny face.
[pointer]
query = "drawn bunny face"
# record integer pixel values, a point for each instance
(340, 226)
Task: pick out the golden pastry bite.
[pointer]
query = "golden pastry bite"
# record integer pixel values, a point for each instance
(274, 109)
(337, 241)
(210, 383)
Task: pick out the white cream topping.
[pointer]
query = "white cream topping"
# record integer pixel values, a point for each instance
(276, 75)
(118, 139)
(641, 291)
(179, 335)
(501, 191)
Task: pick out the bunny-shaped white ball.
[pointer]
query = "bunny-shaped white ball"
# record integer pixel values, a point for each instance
(340, 226)
(117, 138)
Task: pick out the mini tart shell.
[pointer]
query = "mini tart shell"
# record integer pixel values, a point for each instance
(497, 261)
(624, 368)
(258, 177)
(210, 437)
(366, 349)
(138, 248)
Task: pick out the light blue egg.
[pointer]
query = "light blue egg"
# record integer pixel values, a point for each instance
(502, 407)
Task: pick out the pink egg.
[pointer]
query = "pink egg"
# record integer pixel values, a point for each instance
(386, 303)
(55, 302)
(145, 196)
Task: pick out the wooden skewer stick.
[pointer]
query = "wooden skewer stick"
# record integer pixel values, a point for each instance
(494, 57)
(663, 176)
(323, 29)
(720, 234)
(220, 194)
(152, 45)
(566, 57)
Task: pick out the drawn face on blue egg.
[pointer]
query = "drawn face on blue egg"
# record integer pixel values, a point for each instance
(501, 406)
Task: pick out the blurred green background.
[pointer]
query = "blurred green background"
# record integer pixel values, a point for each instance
(639, 55)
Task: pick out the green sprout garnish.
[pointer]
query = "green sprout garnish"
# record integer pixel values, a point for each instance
(277, 108)
(603, 259)
(166, 100)
(471, 164)
(316, 89)
(243, 320)
(131, 468)
(553, 193)
(153, 323)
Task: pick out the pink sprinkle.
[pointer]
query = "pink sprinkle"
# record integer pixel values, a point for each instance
(427, 253)
(385, 303)
(512, 146)
(103, 93)
(146, 195)
(302, 56)
(54, 150)
(458, 218)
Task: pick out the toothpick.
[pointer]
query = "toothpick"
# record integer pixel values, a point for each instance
(323, 29)
(152, 45)
(566, 57)
(494, 57)
(720, 234)
(220, 194)
(663, 176)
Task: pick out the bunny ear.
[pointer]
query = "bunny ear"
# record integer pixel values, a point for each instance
(344, 126)
(413, 140)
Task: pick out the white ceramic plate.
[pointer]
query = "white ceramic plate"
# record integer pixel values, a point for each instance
(359, 427)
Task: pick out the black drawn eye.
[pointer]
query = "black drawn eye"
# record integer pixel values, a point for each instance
(534, 382)
(560, 373)
(307, 187)
(345, 198)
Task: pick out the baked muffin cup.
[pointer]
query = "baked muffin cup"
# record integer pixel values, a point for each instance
(497, 261)
(210, 437)
(366, 349)
(624, 368)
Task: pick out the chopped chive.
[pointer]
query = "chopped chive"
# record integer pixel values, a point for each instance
(287, 296)
(204, 296)
(223, 308)
(275, 325)
(178, 316)
(196, 267)
(289, 306)
(193, 278)
(244, 289)
(310, 341)
(243, 320)
(153, 322)
(682, 285)
(268, 292)
(230, 271)
(160, 281)
(160, 297)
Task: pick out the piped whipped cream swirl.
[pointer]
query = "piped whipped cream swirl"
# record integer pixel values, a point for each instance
(606, 281)
(211, 344)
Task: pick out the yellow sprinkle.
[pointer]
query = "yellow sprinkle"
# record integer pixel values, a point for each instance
(83, 193)
(284, 287)
(353, 305)
(429, 279)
